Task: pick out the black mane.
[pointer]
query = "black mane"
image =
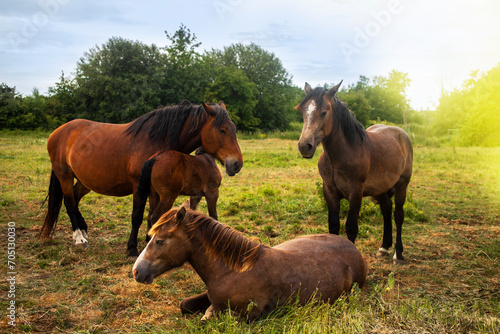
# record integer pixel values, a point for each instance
(169, 121)
(343, 118)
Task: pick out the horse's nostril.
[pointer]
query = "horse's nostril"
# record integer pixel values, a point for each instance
(306, 146)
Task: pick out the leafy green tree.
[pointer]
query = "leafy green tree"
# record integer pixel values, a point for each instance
(10, 101)
(473, 109)
(380, 99)
(184, 76)
(355, 96)
(388, 97)
(62, 101)
(275, 94)
(239, 95)
(33, 112)
(119, 81)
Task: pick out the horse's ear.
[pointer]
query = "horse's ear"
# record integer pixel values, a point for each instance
(222, 104)
(332, 91)
(210, 111)
(307, 88)
(181, 213)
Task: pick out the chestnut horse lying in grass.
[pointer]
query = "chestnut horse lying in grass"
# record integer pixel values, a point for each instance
(249, 278)
(168, 174)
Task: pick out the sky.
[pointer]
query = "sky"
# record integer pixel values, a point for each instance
(437, 43)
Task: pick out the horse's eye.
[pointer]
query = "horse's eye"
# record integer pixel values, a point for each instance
(222, 131)
(323, 114)
(160, 242)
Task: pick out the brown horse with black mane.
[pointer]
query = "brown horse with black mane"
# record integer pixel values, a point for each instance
(246, 276)
(375, 162)
(168, 174)
(107, 158)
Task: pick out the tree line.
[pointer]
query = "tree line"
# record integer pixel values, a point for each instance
(470, 115)
(122, 79)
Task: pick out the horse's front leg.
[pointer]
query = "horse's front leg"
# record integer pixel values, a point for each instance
(212, 204)
(332, 198)
(351, 225)
(76, 218)
(194, 201)
(208, 313)
(199, 303)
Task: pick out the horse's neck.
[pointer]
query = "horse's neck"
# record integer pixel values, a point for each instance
(335, 144)
(190, 140)
(207, 268)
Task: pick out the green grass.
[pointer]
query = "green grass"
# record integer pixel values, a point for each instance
(450, 283)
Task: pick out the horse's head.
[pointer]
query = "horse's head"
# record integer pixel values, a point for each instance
(218, 137)
(317, 111)
(168, 248)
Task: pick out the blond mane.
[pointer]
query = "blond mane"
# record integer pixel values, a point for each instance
(221, 241)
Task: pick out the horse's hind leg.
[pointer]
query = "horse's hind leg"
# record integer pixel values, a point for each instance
(385, 203)
(161, 207)
(399, 215)
(154, 201)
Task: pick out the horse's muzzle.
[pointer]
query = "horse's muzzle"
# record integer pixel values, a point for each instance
(307, 149)
(233, 166)
(143, 276)
(142, 270)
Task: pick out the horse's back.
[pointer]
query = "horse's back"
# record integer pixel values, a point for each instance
(381, 132)
(391, 160)
(190, 175)
(97, 154)
(326, 258)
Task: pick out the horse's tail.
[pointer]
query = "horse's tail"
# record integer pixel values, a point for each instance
(55, 197)
(144, 184)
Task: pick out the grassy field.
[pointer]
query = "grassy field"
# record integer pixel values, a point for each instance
(450, 284)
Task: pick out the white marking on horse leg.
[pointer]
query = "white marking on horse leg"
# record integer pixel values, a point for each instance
(208, 313)
(80, 240)
(84, 233)
(397, 261)
(383, 252)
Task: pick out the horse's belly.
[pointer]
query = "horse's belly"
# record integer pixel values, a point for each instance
(103, 170)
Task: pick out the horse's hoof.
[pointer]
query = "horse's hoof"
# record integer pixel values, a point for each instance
(382, 252)
(398, 262)
(82, 245)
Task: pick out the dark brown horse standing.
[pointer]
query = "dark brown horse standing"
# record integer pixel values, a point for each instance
(169, 174)
(375, 162)
(246, 276)
(107, 158)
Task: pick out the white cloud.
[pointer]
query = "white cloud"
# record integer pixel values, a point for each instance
(437, 43)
